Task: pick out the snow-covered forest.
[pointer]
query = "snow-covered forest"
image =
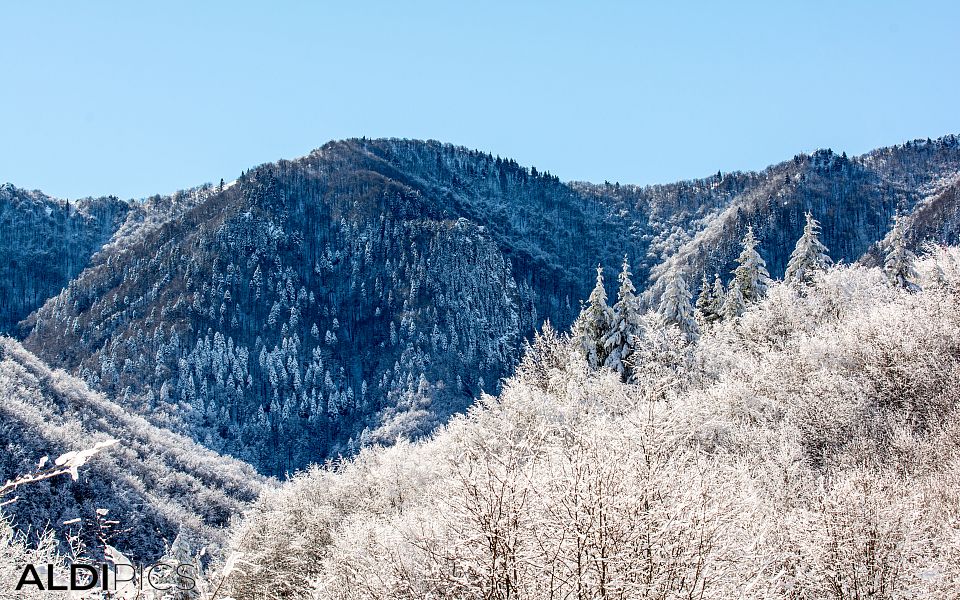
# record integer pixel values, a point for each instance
(45, 244)
(160, 484)
(374, 288)
(805, 448)
(472, 380)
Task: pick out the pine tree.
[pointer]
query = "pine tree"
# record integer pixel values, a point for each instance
(899, 260)
(593, 325)
(626, 329)
(809, 256)
(675, 307)
(750, 276)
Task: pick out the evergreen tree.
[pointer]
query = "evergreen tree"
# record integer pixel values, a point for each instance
(719, 295)
(750, 276)
(675, 307)
(733, 303)
(704, 300)
(899, 260)
(809, 256)
(593, 325)
(626, 329)
(710, 301)
(937, 276)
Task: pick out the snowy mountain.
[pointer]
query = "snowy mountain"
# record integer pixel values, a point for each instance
(936, 218)
(372, 289)
(158, 485)
(854, 199)
(46, 242)
(329, 301)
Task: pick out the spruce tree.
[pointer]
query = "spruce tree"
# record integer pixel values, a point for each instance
(809, 256)
(675, 307)
(734, 303)
(750, 276)
(705, 301)
(899, 260)
(626, 329)
(710, 302)
(719, 295)
(593, 325)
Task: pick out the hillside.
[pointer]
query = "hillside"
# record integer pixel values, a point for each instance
(936, 218)
(46, 242)
(808, 449)
(854, 199)
(372, 289)
(157, 484)
(326, 302)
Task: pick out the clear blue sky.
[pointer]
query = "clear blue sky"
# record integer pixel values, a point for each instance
(135, 98)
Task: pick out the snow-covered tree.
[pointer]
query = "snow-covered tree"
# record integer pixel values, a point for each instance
(704, 299)
(719, 295)
(626, 328)
(809, 256)
(675, 307)
(733, 303)
(593, 325)
(710, 301)
(899, 261)
(750, 276)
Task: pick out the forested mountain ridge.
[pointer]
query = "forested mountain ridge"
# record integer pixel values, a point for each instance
(46, 242)
(372, 288)
(323, 302)
(157, 484)
(854, 199)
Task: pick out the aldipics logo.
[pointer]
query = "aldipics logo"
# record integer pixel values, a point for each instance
(117, 578)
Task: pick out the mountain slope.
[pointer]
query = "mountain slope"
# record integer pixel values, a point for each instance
(329, 299)
(373, 288)
(853, 198)
(935, 219)
(158, 484)
(810, 449)
(44, 243)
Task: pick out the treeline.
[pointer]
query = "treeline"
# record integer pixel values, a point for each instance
(613, 337)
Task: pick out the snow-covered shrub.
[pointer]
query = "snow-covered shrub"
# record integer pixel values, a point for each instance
(15, 552)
